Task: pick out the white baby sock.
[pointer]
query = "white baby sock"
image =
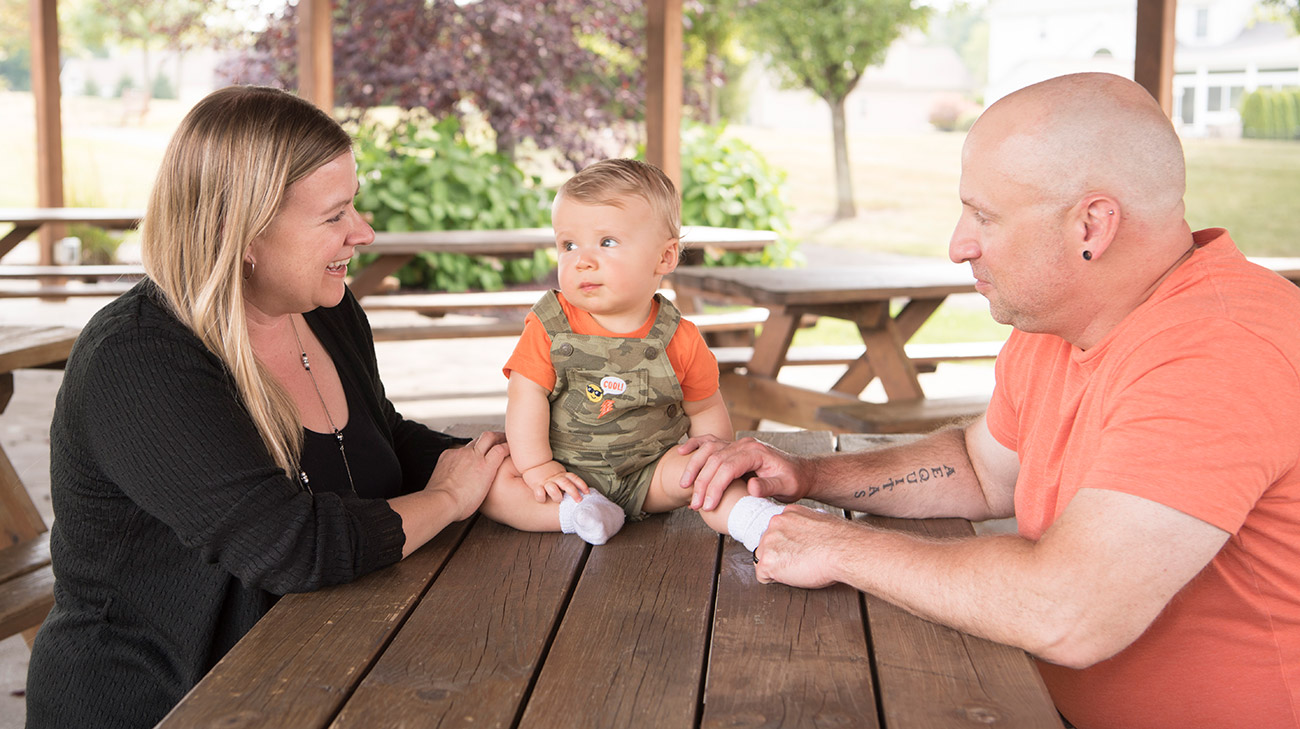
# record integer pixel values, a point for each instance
(595, 519)
(749, 517)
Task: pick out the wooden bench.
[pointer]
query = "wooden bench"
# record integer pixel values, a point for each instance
(743, 320)
(26, 587)
(31, 281)
(901, 416)
(924, 356)
(26, 578)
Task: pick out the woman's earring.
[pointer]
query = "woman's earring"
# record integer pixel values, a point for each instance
(1087, 256)
(248, 269)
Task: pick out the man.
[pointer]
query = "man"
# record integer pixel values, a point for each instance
(1142, 432)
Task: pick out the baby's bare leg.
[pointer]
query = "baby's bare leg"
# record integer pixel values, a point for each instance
(667, 494)
(509, 501)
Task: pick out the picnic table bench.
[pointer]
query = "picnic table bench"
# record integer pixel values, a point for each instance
(664, 626)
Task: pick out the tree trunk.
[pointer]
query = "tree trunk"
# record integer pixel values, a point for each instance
(844, 207)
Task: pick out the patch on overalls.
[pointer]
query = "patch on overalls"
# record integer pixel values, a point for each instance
(593, 393)
(612, 385)
(605, 407)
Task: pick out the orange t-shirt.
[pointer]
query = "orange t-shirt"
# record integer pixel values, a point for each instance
(1193, 401)
(693, 363)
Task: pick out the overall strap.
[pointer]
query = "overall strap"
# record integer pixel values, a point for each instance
(666, 322)
(551, 314)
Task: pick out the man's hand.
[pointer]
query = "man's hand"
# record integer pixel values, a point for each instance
(715, 463)
(800, 547)
(550, 481)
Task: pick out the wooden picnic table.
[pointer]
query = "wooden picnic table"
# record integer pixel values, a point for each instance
(28, 220)
(861, 295)
(395, 250)
(25, 347)
(664, 626)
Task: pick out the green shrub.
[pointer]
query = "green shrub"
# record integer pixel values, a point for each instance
(1252, 115)
(162, 87)
(727, 183)
(419, 174)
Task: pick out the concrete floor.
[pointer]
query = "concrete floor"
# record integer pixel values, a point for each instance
(439, 382)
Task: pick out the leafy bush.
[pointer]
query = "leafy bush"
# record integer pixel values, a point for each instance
(162, 87)
(424, 175)
(1268, 114)
(727, 183)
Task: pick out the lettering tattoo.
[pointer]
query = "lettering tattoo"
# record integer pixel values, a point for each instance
(920, 475)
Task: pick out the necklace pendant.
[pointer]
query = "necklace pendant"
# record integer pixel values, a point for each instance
(339, 434)
(306, 482)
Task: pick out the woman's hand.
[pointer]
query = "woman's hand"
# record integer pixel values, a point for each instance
(464, 474)
(550, 481)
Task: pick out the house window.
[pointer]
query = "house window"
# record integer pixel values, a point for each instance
(1187, 106)
(1234, 96)
(1214, 102)
(1202, 22)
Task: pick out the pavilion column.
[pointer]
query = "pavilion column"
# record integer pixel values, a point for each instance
(49, 118)
(316, 53)
(1153, 64)
(663, 112)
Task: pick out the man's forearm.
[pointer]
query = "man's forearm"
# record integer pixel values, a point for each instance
(931, 477)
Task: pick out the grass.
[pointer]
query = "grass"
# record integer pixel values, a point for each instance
(905, 187)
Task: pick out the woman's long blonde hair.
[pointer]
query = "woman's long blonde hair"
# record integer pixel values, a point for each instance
(221, 183)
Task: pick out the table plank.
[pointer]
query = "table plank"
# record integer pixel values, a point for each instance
(934, 677)
(827, 286)
(285, 678)
(782, 656)
(22, 347)
(633, 657)
(473, 645)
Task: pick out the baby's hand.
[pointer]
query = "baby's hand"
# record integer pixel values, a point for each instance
(549, 481)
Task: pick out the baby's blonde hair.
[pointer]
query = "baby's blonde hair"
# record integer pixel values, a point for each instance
(222, 180)
(610, 181)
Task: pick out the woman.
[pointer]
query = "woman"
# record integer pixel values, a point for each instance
(221, 436)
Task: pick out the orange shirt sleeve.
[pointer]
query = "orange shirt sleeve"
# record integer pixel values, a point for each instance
(695, 366)
(532, 355)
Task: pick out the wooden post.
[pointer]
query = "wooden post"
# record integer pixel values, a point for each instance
(49, 118)
(663, 103)
(1153, 63)
(316, 53)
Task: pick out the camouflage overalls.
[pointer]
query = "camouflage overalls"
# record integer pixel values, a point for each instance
(617, 405)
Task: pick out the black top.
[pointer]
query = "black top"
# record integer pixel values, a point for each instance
(174, 530)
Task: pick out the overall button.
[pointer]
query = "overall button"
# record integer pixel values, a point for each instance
(651, 353)
(566, 349)
(672, 410)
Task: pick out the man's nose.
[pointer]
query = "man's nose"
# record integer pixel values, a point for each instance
(963, 246)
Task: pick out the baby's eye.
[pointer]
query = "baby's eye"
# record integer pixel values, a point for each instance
(608, 242)
(568, 245)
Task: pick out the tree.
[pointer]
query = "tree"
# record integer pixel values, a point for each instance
(147, 24)
(564, 73)
(825, 46)
(1288, 7)
(713, 60)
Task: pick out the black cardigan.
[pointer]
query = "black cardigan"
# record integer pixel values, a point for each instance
(174, 530)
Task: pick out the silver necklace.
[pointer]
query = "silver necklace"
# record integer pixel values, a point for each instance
(338, 434)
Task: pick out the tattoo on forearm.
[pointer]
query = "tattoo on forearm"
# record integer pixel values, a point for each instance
(920, 475)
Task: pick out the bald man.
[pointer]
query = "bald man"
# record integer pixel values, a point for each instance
(1142, 431)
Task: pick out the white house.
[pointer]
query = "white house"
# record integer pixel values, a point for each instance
(1222, 52)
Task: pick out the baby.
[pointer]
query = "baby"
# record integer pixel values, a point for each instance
(608, 377)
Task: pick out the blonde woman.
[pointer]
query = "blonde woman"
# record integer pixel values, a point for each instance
(221, 436)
